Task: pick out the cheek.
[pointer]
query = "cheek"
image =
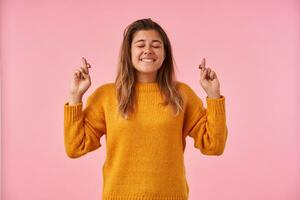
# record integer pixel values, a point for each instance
(161, 54)
(135, 54)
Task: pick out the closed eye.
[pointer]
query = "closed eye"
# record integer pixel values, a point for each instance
(140, 46)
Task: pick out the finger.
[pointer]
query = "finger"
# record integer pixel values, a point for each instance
(85, 70)
(203, 63)
(203, 68)
(84, 62)
(84, 75)
(215, 75)
(208, 70)
(211, 75)
(203, 74)
(87, 65)
(81, 71)
(78, 74)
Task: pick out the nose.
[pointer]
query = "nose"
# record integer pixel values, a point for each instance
(147, 52)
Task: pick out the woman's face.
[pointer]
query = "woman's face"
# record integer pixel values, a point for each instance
(147, 54)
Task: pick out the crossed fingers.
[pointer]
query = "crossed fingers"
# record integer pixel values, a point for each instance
(206, 73)
(83, 71)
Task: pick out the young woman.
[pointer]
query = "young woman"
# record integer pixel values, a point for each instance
(145, 116)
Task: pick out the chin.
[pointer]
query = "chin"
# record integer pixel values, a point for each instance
(147, 70)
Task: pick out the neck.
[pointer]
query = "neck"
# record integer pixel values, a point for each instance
(146, 78)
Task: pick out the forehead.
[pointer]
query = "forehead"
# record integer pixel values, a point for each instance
(146, 35)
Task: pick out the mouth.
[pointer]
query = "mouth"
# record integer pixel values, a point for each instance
(148, 60)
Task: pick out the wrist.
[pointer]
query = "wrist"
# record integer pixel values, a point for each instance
(214, 96)
(75, 99)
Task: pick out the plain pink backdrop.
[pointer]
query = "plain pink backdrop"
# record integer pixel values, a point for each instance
(253, 47)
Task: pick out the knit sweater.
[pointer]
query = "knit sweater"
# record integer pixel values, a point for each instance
(145, 153)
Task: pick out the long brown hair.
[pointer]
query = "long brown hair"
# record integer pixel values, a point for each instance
(126, 77)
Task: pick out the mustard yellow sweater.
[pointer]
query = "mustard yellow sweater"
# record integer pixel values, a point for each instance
(145, 154)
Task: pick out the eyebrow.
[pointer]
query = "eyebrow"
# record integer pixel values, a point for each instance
(142, 40)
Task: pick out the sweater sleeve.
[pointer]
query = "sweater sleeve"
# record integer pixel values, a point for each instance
(207, 127)
(83, 128)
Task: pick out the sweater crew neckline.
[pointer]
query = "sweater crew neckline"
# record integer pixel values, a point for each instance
(147, 87)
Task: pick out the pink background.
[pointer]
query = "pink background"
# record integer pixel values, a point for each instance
(253, 47)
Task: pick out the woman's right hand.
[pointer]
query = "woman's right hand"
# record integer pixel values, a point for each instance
(81, 80)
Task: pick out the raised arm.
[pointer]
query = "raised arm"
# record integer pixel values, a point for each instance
(82, 128)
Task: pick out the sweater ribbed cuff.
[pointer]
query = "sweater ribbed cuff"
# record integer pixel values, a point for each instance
(216, 106)
(73, 112)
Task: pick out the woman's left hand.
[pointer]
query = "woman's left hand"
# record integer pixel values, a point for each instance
(209, 81)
